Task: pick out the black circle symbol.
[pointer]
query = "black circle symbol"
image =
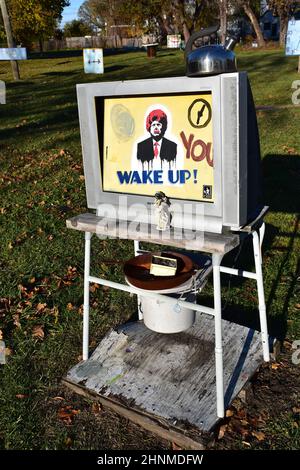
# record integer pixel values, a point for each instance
(200, 105)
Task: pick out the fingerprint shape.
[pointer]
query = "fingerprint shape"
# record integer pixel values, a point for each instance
(122, 122)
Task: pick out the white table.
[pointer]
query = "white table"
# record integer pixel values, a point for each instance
(215, 244)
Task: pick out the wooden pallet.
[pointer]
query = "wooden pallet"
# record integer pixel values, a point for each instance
(166, 382)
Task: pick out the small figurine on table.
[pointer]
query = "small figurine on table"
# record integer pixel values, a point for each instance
(162, 212)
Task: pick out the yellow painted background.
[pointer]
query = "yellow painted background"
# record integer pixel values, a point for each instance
(118, 152)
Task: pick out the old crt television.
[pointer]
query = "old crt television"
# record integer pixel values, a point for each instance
(195, 139)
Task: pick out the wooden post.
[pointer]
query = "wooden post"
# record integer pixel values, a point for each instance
(10, 41)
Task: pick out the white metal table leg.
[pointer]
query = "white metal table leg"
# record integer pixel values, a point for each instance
(86, 297)
(216, 260)
(136, 252)
(261, 296)
(261, 236)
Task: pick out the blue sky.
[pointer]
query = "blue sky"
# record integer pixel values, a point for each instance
(70, 13)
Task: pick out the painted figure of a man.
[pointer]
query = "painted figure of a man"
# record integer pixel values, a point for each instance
(157, 150)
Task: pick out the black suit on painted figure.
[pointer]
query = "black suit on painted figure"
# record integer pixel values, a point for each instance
(157, 146)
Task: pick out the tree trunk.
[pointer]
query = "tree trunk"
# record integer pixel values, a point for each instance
(283, 30)
(249, 12)
(41, 44)
(223, 19)
(186, 32)
(178, 12)
(9, 36)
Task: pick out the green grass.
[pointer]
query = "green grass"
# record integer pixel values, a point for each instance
(41, 262)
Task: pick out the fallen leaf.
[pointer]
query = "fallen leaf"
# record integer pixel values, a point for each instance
(175, 446)
(58, 398)
(81, 177)
(70, 306)
(239, 427)
(275, 366)
(38, 332)
(96, 408)
(8, 352)
(246, 443)
(50, 237)
(1, 334)
(244, 422)
(62, 152)
(40, 307)
(297, 306)
(16, 319)
(94, 287)
(68, 441)
(67, 414)
(20, 396)
(296, 410)
(259, 435)
(229, 413)
(222, 431)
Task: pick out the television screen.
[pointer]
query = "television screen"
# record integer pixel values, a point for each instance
(159, 142)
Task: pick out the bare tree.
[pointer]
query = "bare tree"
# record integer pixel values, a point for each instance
(248, 7)
(191, 15)
(223, 19)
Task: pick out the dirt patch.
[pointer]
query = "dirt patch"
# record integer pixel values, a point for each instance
(270, 418)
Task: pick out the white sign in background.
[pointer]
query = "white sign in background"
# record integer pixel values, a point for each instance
(292, 46)
(93, 60)
(16, 53)
(173, 41)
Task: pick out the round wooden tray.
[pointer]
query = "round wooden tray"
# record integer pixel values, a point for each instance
(137, 271)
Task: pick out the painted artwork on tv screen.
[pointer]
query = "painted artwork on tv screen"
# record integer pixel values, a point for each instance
(159, 143)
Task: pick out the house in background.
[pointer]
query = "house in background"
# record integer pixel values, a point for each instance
(270, 26)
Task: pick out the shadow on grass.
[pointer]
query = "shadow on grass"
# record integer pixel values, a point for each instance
(282, 194)
(114, 68)
(60, 73)
(55, 54)
(281, 182)
(77, 53)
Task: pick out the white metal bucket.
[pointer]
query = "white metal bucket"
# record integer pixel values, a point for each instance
(165, 317)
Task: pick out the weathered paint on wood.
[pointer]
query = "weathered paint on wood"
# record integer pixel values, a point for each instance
(198, 241)
(157, 426)
(170, 376)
